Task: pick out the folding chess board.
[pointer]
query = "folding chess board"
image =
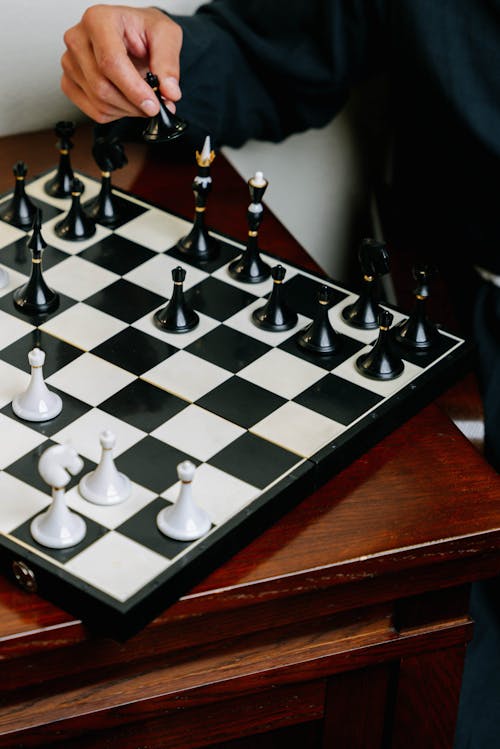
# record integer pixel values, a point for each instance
(264, 421)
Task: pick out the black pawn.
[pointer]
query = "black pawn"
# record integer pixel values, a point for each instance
(60, 185)
(163, 126)
(319, 337)
(109, 155)
(35, 297)
(76, 225)
(374, 261)
(198, 244)
(275, 315)
(382, 362)
(19, 211)
(418, 332)
(177, 316)
(249, 267)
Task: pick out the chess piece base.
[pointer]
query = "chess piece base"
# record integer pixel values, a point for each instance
(118, 492)
(46, 409)
(167, 524)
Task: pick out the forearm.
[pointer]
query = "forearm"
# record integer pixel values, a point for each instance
(265, 70)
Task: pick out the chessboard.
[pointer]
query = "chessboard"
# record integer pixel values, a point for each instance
(264, 420)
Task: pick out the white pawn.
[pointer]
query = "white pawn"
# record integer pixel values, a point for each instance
(37, 403)
(184, 521)
(59, 527)
(105, 485)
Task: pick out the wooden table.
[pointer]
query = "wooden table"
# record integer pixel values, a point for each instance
(344, 625)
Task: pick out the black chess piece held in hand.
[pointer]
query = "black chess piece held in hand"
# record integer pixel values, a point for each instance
(163, 126)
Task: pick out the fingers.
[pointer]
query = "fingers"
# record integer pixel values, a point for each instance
(107, 55)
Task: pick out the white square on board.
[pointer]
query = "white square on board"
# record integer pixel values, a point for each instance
(298, 429)
(217, 492)
(198, 432)
(83, 326)
(117, 565)
(282, 373)
(20, 501)
(90, 379)
(186, 375)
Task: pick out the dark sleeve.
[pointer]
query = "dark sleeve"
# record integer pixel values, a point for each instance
(267, 68)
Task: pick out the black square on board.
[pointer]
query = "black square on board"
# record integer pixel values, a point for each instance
(143, 405)
(72, 410)
(7, 305)
(152, 464)
(227, 253)
(48, 210)
(126, 210)
(142, 528)
(423, 357)
(347, 347)
(228, 348)
(338, 399)
(125, 300)
(301, 294)
(117, 254)
(254, 460)
(57, 353)
(94, 532)
(134, 350)
(18, 256)
(241, 402)
(26, 468)
(217, 299)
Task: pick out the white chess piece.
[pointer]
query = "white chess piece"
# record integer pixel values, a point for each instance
(105, 485)
(37, 403)
(4, 278)
(59, 527)
(184, 521)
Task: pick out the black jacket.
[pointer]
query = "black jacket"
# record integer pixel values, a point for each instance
(267, 68)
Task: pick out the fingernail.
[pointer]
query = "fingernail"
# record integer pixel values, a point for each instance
(149, 107)
(173, 87)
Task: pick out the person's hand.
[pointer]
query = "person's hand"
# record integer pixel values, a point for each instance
(108, 54)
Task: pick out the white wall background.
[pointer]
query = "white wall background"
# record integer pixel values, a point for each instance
(320, 215)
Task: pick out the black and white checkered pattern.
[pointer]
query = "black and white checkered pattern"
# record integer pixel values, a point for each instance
(261, 418)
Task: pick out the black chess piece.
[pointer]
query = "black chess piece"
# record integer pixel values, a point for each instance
(35, 297)
(418, 332)
(109, 155)
(275, 315)
(374, 261)
(249, 267)
(177, 316)
(198, 244)
(19, 211)
(319, 337)
(163, 126)
(60, 185)
(381, 362)
(76, 225)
